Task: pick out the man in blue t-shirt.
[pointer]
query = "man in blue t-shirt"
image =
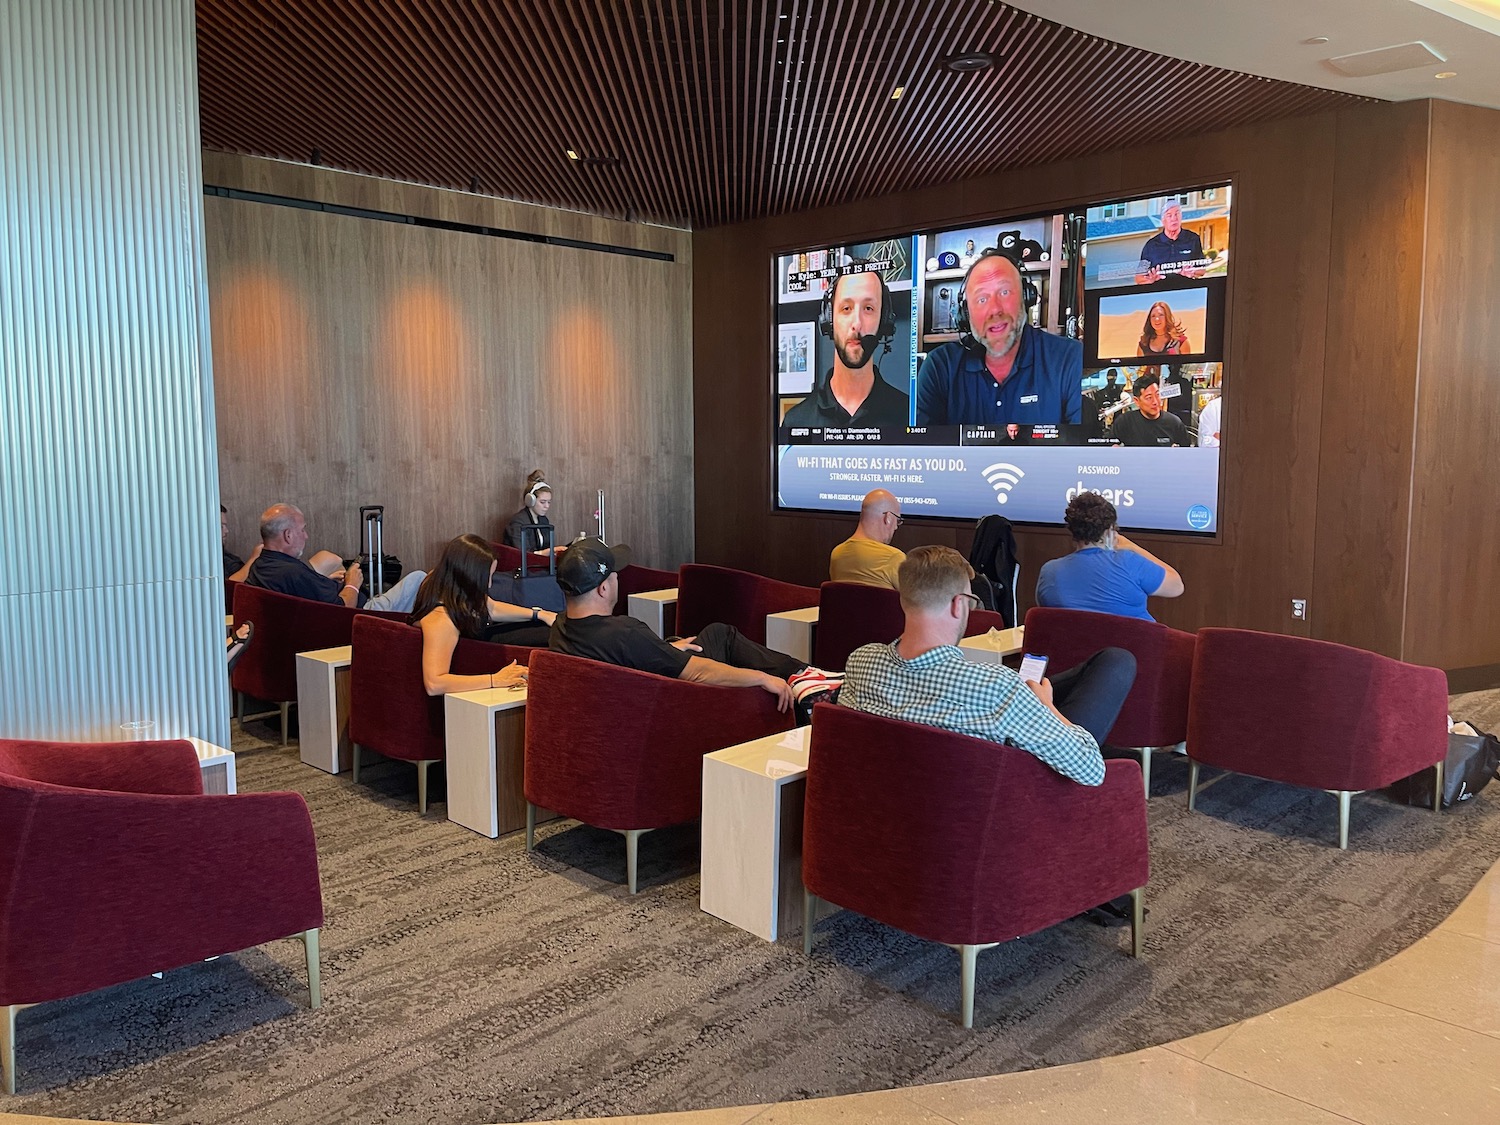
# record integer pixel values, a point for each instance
(1106, 573)
(1004, 370)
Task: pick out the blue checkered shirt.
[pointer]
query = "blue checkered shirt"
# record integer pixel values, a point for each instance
(941, 688)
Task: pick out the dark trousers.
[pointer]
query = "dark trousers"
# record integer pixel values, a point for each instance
(728, 645)
(1092, 693)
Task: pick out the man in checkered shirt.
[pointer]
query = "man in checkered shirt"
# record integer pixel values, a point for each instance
(922, 677)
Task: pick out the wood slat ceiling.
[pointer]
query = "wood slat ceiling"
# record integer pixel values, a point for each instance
(700, 112)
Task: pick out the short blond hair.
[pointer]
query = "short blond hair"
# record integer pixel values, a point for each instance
(931, 576)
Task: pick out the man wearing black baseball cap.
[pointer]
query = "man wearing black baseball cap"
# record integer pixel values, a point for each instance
(718, 655)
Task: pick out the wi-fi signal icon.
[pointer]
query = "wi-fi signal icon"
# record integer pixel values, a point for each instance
(1003, 478)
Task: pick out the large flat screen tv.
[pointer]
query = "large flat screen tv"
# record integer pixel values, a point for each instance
(1004, 366)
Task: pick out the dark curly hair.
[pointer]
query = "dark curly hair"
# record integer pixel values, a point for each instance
(1089, 516)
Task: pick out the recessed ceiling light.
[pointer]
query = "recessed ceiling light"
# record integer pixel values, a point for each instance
(969, 62)
(572, 155)
(1446, 74)
(897, 92)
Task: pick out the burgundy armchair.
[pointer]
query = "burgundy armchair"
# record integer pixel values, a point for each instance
(114, 865)
(851, 614)
(642, 580)
(284, 626)
(959, 840)
(1155, 712)
(1313, 713)
(390, 711)
(623, 750)
(706, 594)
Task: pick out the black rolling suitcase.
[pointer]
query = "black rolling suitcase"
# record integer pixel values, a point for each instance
(378, 579)
(532, 587)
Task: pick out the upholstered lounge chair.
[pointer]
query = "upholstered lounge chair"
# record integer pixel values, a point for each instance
(959, 840)
(623, 750)
(706, 594)
(1155, 712)
(284, 626)
(115, 865)
(1313, 713)
(390, 711)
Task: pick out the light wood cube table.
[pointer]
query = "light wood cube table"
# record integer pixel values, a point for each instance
(486, 733)
(793, 632)
(752, 834)
(993, 647)
(323, 708)
(652, 608)
(217, 765)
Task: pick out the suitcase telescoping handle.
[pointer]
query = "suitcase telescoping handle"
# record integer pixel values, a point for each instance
(372, 517)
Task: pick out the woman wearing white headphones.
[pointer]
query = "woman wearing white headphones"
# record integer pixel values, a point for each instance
(523, 532)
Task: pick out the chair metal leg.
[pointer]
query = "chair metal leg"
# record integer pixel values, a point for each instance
(530, 826)
(968, 957)
(1192, 785)
(286, 710)
(422, 787)
(8, 1045)
(1343, 795)
(632, 846)
(1146, 769)
(1138, 922)
(809, 916)
(314, 972)
(354, 762)
(1437, 788)
(239, 709)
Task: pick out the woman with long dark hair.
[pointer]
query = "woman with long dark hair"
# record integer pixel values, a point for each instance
(454, 601)
(1162, 333)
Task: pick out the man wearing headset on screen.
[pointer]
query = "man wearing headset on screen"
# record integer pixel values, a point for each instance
(1001, 369)
(857, 316)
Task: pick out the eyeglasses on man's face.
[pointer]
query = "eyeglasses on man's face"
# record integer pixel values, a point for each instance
(898, 518)
(972, 598)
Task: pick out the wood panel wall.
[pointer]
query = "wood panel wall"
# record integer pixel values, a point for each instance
(1324, 303)
(1452, 607)
(358, 361)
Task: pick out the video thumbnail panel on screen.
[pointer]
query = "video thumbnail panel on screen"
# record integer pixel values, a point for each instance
(1003, 366)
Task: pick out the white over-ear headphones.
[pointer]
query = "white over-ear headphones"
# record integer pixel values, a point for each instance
(539, 486)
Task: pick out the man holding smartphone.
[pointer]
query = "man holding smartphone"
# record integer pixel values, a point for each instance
(923, 677)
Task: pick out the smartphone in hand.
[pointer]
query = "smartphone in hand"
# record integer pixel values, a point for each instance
(1033, 667)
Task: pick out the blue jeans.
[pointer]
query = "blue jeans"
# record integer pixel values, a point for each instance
(400, 597)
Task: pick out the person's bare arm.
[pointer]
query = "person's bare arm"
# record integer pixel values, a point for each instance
(702, 670)
(353, 577)
(439, 639)
(1171, 583)
(507, 613)
(244, 571)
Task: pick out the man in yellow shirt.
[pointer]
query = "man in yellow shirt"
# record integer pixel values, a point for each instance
(867, 556)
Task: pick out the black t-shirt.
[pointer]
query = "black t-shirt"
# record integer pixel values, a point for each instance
(284, 574)
(1163, 251)
(626, 641)
(232, 562)
(885, 405)
(1134, 428)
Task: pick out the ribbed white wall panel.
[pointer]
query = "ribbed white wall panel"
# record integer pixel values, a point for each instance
(111, 600)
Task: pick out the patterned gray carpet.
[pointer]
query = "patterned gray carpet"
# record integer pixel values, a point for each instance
(466, 981)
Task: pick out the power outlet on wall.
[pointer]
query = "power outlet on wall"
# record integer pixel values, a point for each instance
(1299, 608)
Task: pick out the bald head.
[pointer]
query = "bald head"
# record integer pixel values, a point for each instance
(283, 528)
(879, 515)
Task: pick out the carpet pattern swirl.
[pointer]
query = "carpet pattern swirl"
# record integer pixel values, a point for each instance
(466, 981)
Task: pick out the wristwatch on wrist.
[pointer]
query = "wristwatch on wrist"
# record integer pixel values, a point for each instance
(536, 613)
